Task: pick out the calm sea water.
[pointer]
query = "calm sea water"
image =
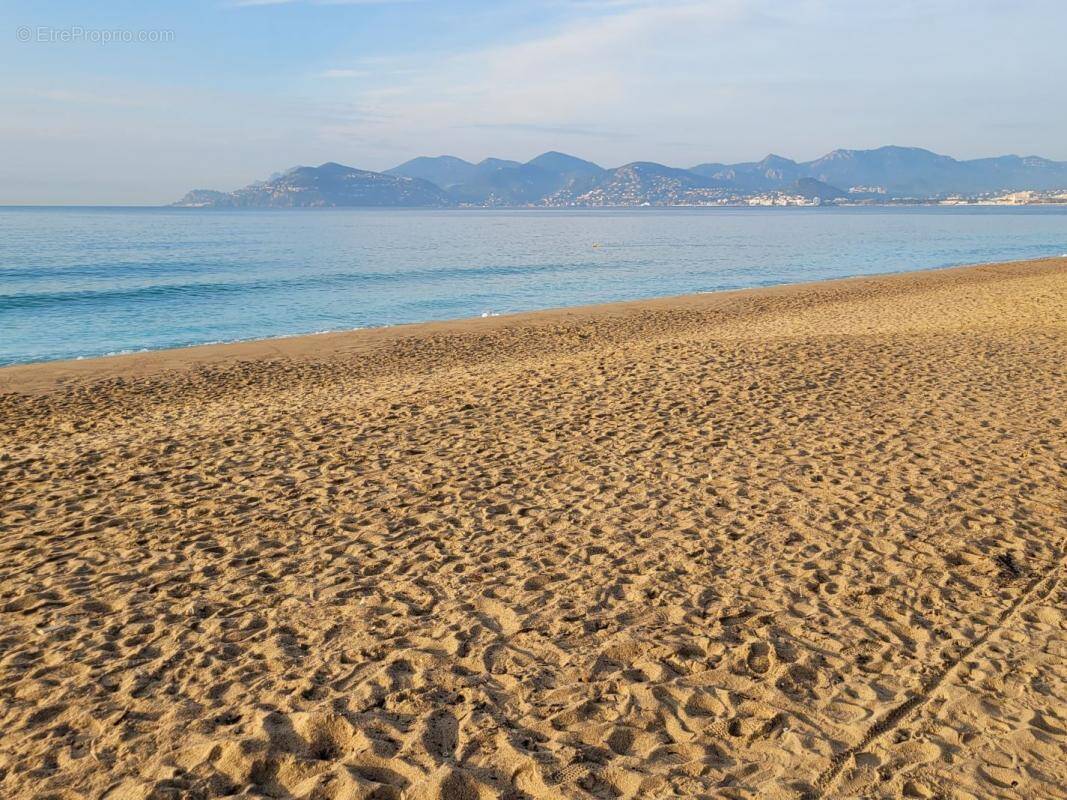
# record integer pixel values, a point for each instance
(90, 281)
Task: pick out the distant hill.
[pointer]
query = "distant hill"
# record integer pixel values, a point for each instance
(444, 171)
(566, 166)
(324, 186)
(504, 183)
(771, 174)
(814, 189)
(896, 172)
(558, 179)
(908, 171)
(641, 183)
(498, 182)
(206, 198)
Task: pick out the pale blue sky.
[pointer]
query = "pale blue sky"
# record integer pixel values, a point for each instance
(244, 89)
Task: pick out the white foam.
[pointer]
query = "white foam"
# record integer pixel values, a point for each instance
(126, 352)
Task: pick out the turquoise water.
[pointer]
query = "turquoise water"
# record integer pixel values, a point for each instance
(80, 282)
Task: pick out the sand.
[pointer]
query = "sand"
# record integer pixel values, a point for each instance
(788, 543)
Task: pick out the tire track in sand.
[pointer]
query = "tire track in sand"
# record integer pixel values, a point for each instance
(1039, 588)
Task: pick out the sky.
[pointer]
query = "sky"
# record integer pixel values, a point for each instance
(136, 102)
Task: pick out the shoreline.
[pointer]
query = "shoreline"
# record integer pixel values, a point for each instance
(795, 542)
(45, 376)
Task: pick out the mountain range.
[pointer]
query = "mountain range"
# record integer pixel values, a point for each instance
(556, 179)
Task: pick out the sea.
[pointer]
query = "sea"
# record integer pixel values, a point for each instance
(90, 281)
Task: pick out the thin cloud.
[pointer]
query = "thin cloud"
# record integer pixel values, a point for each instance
(65, 96)
(580, 80)
(344, 73)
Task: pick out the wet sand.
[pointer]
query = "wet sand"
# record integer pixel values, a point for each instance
(796, 542)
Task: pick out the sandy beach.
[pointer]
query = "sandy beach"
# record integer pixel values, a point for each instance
(796, 542)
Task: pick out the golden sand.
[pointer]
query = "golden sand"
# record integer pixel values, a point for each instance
(798, 542)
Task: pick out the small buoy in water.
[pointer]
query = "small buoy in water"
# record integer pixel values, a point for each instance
(596, 244)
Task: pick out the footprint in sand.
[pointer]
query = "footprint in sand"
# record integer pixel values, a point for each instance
(441, 735)
(759, 659)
